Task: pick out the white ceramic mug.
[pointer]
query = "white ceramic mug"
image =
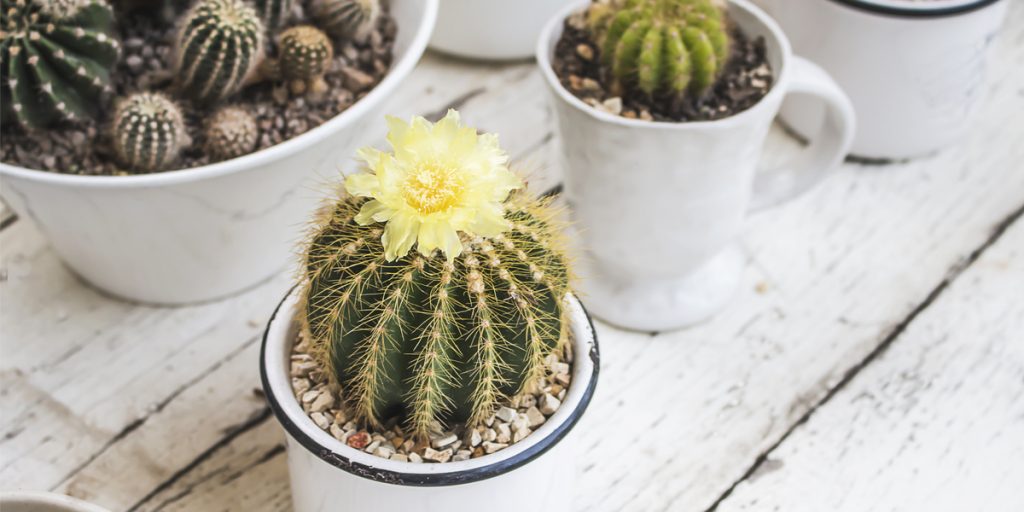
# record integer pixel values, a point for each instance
(492, 29)
(915, 71)
(659, 206)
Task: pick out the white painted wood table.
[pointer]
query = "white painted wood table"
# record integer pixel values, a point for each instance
(873, 361)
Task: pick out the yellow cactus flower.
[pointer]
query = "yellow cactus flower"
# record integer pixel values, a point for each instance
(439, 180)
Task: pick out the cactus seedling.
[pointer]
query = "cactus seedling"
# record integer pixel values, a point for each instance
(306, 54)
(444, 332)
(274, 12)
(56, 58)
(662, 46)
(230, 133)
(148, 132)
(220, 44)
(346, 19)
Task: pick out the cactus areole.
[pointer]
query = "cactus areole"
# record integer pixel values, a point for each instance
(675, 47)
(432, 290)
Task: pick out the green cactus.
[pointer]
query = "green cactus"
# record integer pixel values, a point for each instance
(56, 59)
(219, 46)
(148, 132)
(306, 54)
(230, 133)
(274, 12)
(346, 19)
(428, 339)
(662, 46)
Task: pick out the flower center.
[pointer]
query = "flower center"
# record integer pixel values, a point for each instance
(432, 187)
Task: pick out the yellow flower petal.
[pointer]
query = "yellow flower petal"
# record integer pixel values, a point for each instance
(399, 235)
(362, 185)
(373, 211)
(436, 234)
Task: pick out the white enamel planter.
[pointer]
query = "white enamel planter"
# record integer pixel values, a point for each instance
(44, 502)
(492, 29)
(200, 234)
(659, 206)
(536, 473)
(915, 70)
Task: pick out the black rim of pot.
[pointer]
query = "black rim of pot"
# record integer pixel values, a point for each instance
(433, 479)
(921, 12)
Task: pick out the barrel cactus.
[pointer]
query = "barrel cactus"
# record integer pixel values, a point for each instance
(219, 46)
(274, 12)
(306, 54)
(148, 132)
(346, 19)
(675, 47)
(446, 332)
(230, 133)
(57, 56)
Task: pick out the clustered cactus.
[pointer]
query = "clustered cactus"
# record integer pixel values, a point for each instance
(149, 132)
(346, 19)
(429, 339)
(230, 133)
(220, 44)
(675, 47)
(56, 59)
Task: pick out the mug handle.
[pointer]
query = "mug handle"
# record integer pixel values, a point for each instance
(825, 151)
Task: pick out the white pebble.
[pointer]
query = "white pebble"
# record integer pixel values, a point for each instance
(437, 456)
(324, 401)
(473, 438)
(321, 420)
(400, 457)
(504, 433)
(506, 414)
(493, 447)
(521, 434)
(549, 404)
(415, 458)
(462, 455)
(444, 440)
(535, 417)
(520, 423)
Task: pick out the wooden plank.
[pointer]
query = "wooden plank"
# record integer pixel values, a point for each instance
(935, 423)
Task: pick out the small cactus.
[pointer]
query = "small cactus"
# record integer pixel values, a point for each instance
(274, 12)
(346, 19)
(220, 44)
(148, 132)
(662, 46)
(425, 335)
(57, 56)
(230, 133)
(305, 55)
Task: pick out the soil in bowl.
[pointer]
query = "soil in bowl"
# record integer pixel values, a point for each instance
(746, 78)
(323, 401)
(147, 37)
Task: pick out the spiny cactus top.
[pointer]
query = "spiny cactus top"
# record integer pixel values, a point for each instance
(445, 332)
(346, 19)
(56, 58)
(274, 12)
(220, 44)
(148, 132)
(231, 133)
(662, 46)
(306, 54)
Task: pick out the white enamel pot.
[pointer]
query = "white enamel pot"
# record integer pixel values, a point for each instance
(492, 29)
(915, 70)
(205, 233)
(659, 205)
(327, 475)
(44, 502)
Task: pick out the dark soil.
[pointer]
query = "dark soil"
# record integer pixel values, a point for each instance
(746, 79)
(148, 37)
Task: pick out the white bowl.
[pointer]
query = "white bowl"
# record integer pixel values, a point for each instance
(44, 502)
(200, 234)
(492, 29)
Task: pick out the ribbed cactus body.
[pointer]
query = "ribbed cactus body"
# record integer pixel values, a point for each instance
(274, 12)
(148, 132)
(662, 46)
(346, 19)
(220, 43)
(306, 54)
(56, 58)
(230, 133)
(427, 339)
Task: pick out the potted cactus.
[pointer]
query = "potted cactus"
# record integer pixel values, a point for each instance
(663, 107)
(209, 120)
(433, 355)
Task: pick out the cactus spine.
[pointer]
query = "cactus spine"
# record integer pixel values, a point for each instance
(306, 54)
(430, 339)
(230, 133)
(56, 58)
(219, 45)
(662, 46)
(274, 12)
(148, 132)
(346, 19)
